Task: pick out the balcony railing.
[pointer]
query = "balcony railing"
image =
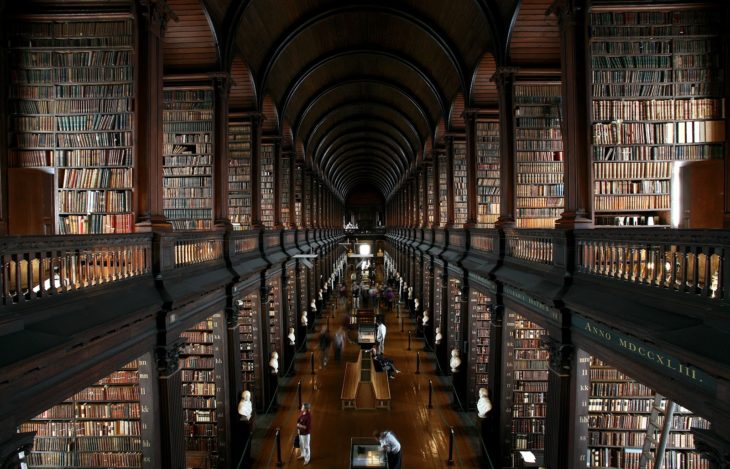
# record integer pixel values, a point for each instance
(531, 245)
(195, 248)
(37, 267)
(484, 240)
(680, 260)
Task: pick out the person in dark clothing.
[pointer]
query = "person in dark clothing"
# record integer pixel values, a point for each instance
(383, 363)
(324, 345)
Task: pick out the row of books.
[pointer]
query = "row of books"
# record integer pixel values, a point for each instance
(656, 90)
(187, 170)
(636, 202)
(94, 178)
(625, 187)
(96, 224)
(94, 201)
(667, 133)
(71, 106)
(657, 152)
(632, 170)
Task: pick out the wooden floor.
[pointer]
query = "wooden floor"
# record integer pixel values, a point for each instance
(423, 432)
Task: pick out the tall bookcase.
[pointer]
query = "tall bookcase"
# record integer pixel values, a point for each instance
(455, 316)
(71, 114)
(249, 329)
(307, 200)
(437, 312)
(291, 297)
(657, 101)
(239, 174)
(488, 161)
(430, 196)
(526, 375)
(285, 189)
(538, 154)
(619, 408)
(479, 321)
(266, 160)
(461, 186)
(274, 316)
(187, 172)
(420, 209)
(100, 426)
(443, 190)
(203, 392)
(298, 188)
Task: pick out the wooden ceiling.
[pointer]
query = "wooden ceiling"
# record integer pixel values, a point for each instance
(364, 88)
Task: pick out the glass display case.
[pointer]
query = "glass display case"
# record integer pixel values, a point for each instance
(365, 453)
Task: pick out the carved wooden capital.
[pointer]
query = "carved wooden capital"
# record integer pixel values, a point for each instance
(504, 76)
(157, 13)
(561, 355)
(223, 84)
(713, 447)
(168, 356)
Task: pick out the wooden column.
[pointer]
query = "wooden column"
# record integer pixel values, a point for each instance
(504, 78)
(256, 171)
(234, 382)
(4, 125)
(496, 361)
(470, 119)
(726, 162)
(220, 162)
(450, 182)
(149, 206)
(172, 438)
(578, 194)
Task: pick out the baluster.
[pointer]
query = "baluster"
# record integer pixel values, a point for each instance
(6, 279)
(681, 279)
(655, 266)
(672, 268)
(28, 276)
(706, 272)
(695, 281)
(65, 275)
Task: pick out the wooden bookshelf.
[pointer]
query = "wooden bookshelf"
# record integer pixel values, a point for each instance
(538, 154)
(307, 199)
(657, 101)
(187, 172)
(443, 190)
(420, 209)
(298, 187)
(461, 186)
(267, 185)
(285, 190)
(203, 393)
(479, 321)
(431, 196)
(526, 381)
(488, 169)
(239, 174)
(619, 410)
(249, 329)
(275, 315)
(455, 329)
(100, 426)
(71, 112)
(426, 300)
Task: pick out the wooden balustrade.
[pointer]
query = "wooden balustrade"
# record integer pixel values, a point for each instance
(244, 242)
(195, 248)
(679, 260)
(531, 245)
(37, 267)
(484, 240)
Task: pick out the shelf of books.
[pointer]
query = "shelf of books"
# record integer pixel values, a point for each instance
(187, 170)
(461, 187)
(538, 154)
(298, 187)
(420, 209)
(285, 190)
(619, 411)
(488, 161)
(430, 196)
(438, 298)
(274, 316)
(249, 329)
(307, 200)
(203, 394)
(302, 279)
(657, 102)
(266, 159)
(239, 174)
(455, 315)
(443, 190)
(71, 113)
(426, 300)
(291, 296)
(100, 426)
(527, 376)
(479, 321)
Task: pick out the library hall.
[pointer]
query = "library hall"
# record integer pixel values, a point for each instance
(249, 234)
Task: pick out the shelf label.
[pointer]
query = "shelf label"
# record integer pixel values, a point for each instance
(645, 353)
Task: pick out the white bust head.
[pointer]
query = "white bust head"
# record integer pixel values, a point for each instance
(455, 361)
(304, 319)
(484, 405)
(313, 305)
(244, 406)
(438, 335)
(425, 319)
(416, 302)
(274, 362)
(292, 336)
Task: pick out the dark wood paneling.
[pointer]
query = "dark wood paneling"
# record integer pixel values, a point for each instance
(483, 89)
(535, 37)
(243, 94)
(456, 114)
(189, 43)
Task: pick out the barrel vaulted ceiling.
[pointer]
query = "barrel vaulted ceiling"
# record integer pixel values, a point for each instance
(360, 89)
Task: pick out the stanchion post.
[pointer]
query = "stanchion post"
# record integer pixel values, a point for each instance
(430, 394)
(311, 361)
(418, 363)
(279, 462)
(299, 393)
(409, 340)
(450, 462)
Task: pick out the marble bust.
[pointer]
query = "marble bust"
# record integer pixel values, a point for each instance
(244, 406)
(438, 335)
(455, 361)
(274, 362)
(484, 405)
(292, 337)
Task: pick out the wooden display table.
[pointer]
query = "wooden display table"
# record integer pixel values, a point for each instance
(365, 454)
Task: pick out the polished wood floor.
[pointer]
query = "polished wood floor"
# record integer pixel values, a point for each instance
(423, 432)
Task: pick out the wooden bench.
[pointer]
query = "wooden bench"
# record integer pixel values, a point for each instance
(381, 387)
(350, 384)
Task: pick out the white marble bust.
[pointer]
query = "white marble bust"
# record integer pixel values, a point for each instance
(274, 362)
(313, 305)
(292, 336)
(304, 319)
(425, 319)
(455, 361)
(244, 406)
(438, 335)
(484, 405)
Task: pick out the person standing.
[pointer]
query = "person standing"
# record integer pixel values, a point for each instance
(380, 336)
(324, 345)
(304, 426)
(390, 444)
(339, 343)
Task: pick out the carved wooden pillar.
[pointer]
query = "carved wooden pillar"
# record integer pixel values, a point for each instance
(562, 415)
(153, 19)
(496, 336)
(577, 195)
(4, 125)
(726, 163)
(172, 438)
(277, 185)
(504, 78)
(470, 119)
(713, 446)
(450, 182)
(234, 382)
(220, 162)
(256, 171)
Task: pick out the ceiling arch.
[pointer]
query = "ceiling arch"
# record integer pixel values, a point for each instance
(363, 137)
(377, 145)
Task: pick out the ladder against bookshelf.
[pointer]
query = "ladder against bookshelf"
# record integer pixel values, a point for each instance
(528, 377)
(488, 169)
(249, 329)
(619, 413)
(657, 97)
(71, 110)
(187, 172)
(100, 426)
(479, 323)
(239, 174)
(538, 154)
(461, 191)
